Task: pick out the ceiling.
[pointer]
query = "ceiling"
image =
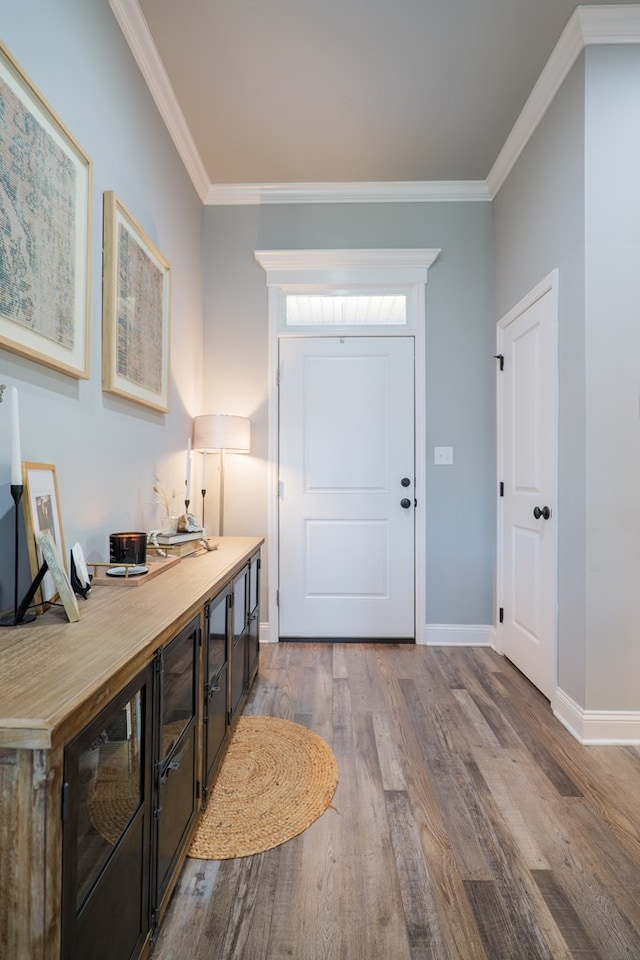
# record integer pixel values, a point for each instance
(351, 91)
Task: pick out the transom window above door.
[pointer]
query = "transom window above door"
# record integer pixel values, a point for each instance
(317, 310)
(353, 291)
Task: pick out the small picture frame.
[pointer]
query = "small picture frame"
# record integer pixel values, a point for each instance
(42, 515)
(52, 558)
(136, 288)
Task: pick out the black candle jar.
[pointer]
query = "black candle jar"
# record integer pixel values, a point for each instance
(128, 548)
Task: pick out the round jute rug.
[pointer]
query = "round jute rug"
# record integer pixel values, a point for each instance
(277, 777)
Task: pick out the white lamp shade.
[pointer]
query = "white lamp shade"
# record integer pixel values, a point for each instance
(222, 431)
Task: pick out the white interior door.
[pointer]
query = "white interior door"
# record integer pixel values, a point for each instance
(529, 473)
(347, 479)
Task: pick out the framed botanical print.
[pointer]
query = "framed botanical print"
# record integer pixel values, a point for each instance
(135, 311)
(45, 199)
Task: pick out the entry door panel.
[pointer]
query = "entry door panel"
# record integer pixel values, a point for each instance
(346, 443)
(529, 544)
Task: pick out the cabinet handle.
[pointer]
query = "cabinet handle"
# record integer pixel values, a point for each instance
(173, 765)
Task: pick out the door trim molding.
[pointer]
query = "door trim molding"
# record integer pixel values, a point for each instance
(548, 285)
(332, 271)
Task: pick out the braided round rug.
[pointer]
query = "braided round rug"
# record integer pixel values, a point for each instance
(277, 777)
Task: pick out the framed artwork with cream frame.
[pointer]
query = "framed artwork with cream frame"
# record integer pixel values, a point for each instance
(45, 242)
(136, 294)
(42, 515)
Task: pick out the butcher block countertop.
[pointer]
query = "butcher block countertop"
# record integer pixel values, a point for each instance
(54, 675)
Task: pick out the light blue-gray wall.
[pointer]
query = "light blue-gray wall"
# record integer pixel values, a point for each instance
(538, 227)
(612, 339)
(460, 337)
(106, 451)
(572, 202)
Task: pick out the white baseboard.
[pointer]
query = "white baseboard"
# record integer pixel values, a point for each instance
(436, 635)
(264, 633)
(459, 635)
(596, 727)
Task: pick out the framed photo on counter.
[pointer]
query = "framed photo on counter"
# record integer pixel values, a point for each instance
(42, 515)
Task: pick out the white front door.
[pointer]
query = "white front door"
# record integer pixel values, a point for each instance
(528, 422)
(347, 487)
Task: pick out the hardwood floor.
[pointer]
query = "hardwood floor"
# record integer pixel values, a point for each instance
(468, 824)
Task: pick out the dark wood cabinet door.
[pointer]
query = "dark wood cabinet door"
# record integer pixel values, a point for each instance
(107, 829)
(175, 805)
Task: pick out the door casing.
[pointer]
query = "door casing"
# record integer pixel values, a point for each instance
(548, 285)
(344, 271)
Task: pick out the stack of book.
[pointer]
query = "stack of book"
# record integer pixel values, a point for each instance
(180, 544)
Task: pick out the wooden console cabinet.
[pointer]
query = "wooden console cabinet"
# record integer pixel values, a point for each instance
(141, 696)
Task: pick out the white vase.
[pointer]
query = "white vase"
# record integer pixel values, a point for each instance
(170, 525)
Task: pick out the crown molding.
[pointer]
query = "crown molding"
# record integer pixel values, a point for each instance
(137, 34)
(237, 194)
(586, 26)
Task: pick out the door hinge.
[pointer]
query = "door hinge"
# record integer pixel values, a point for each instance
(277, 598)
(65, 800)
(500, 357)
(278, 377)
(502, 488)
(501, 615)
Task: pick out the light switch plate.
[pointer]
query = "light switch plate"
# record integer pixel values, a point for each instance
(443, 455)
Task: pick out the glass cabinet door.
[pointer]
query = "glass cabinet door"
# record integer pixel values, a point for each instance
(215, 720)
(107, 808)
(217, 620)
(239, 646)
(253, 639)
(254, 582)
(178, 698)
(175, 800)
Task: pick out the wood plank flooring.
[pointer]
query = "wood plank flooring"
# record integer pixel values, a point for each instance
(468, 824)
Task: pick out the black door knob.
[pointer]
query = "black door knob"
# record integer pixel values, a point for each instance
(545, 513)
(405, 503)
(405, 482)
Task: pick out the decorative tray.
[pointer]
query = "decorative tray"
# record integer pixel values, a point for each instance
(155, 566)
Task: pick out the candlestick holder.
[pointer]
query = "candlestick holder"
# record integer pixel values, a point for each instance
(20, 614)
(204, 493)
